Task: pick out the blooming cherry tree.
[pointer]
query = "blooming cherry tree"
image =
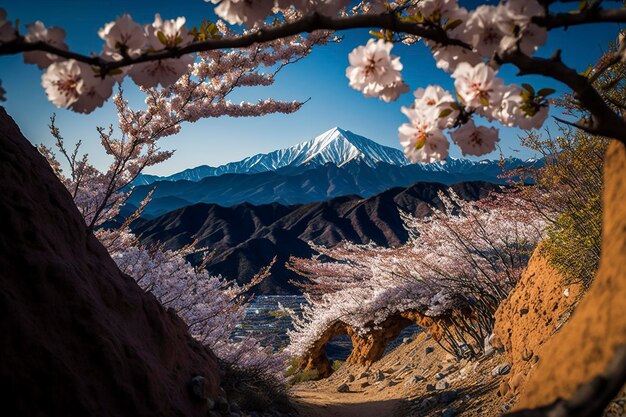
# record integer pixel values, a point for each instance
(471, 45)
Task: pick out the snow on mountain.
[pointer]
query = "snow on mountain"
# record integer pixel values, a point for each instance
(336, 146)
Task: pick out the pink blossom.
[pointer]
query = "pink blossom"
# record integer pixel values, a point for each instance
(421, 139)
(7, 32)
(53, 36)
(372, 67)
(122, 37)
(238, 12)
(475, 140)
(478, 86)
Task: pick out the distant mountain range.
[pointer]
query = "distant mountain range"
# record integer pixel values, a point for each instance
(244, 238)
(336, 163)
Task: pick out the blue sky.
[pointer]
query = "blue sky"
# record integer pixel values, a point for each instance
(320, 77)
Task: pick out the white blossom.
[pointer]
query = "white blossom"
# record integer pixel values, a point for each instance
(436, 102)
(421, 139)
(478, 86)
(475, 140)
(123, 37)
(54, 36)
(372, 67)
(238, 12)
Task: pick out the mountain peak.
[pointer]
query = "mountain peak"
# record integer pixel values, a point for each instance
(337, 146)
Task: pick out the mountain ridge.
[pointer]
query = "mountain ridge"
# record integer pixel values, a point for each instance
(244, 238)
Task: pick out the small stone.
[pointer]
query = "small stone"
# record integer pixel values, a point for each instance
(364, 384)
(343, 388)
(504, 389)
(448, 412)
(413, 380)
(430, 387)
(429, 349)
(523, 311)
(501, 370)
(441, 385)
(439, 376)
(221, 405)
(210, 404)
(363, 375)
(527, 355)
(391, 383)
(448, 397)
(378, 376)
(350, 378)
(199, 387)
(407, 340)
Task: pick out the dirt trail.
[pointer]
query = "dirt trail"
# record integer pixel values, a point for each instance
(315, 403)
(403, 383)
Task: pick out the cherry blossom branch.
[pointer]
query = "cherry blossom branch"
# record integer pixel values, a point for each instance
(604, 121)
(310, 23)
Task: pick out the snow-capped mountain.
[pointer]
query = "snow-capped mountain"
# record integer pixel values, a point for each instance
(335, 146)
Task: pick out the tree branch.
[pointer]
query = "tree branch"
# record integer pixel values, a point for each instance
(604, 121)
(309, 23)
(565, 20)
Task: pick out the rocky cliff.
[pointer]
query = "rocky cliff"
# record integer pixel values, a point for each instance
(78, 337)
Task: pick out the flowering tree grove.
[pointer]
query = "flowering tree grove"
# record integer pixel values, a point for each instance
(471, 45)
(456, 268)
(211, 306)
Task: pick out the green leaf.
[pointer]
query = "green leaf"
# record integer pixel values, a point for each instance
(377, 34)
(545, 92)
(445, 113)
(484, 101)
(162, 37)
(455, 105)
(451, 24)
(420, 143)
(586, 72)
(529, 88)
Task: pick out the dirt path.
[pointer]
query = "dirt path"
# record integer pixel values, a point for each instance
(312, 403)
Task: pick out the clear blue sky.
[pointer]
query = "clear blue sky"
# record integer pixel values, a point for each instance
(321, 76)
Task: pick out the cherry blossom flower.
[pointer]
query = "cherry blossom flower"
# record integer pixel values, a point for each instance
(54, 36)
(169, 33)
(478, 86)
(421, 139)
(449, 57)
(436, 9)
(475, 140)
(482, 30)
(372, 67)
(122, 37)
(512, 111)
(435, 101)
(238, 12)
(95, 92)
(63, 83)
(7, 32)
(75, 85)
(164, 34)
(391, 92)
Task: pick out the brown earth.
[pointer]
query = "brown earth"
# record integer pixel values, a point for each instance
(78, 337)
(403, 389)
(586, 344)
(536, 309)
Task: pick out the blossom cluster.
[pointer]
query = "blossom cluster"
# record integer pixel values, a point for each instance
(465, 255)
(485, 32)
(83, 88)
(212, 306)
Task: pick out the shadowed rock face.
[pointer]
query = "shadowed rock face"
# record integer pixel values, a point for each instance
(78, 337)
